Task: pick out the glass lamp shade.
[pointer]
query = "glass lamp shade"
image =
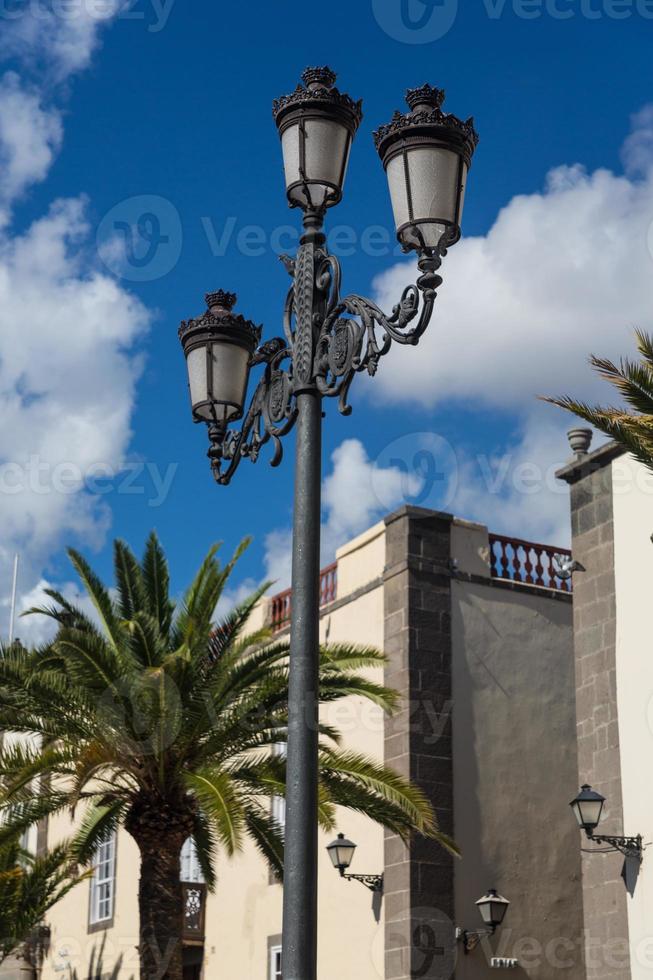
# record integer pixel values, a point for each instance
(218, 348)
(588, 807)
(217, 376)
(341, 852)
(427, 190)
(427, 154)
(493, 908)
(317, 126)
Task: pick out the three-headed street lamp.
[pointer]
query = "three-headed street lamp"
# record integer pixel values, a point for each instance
(328, 339)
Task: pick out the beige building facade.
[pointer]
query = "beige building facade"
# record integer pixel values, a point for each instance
(612, 521)
(478, 634)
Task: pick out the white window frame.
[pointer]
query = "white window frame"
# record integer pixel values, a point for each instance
(190, 871)
(103, 883)
(278, 803)
(29, 840)
(275, 964)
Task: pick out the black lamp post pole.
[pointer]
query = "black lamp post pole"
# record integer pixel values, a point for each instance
(300, 856)
(299, 941)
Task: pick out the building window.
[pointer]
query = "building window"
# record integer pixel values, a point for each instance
(278, 803)
(28, 840)
(103, 882)
(275, 963)
(278, 808)
(190, 872)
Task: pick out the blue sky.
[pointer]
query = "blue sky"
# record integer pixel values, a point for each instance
(168, 109)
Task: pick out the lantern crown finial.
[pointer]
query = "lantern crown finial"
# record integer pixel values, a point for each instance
(220, 301)
(426, 96)
(319, 77)
(219, 316)
(426, 115)
(319, 90)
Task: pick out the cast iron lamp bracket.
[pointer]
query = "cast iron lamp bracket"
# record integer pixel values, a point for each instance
(471, 940)
(628, 846)
(373, 882)
(328, 340)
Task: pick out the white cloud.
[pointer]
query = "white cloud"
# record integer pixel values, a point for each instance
(55, 39)
(355, 493)
(67, 387)
(513, 490)
(637, 151)
(560, 274)
(68, 367)
(30, 136)
(51, 42)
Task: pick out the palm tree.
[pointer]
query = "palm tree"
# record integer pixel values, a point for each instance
(158, 719)
(29, 887)
(633, 380)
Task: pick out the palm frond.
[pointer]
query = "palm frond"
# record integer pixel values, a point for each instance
(267, 835)
(206, 846)
(99, 596)
(130, 587)
(631, 428)
(29, 889)
(220, 801)
(156, 579)
(97, 825)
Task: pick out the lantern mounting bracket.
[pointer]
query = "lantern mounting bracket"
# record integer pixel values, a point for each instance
(328, 340)
(628, 846)
(471, 940)
(373, 882)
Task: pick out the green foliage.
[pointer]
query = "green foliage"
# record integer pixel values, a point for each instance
(148, 708)
(29, 887)
(633, 381)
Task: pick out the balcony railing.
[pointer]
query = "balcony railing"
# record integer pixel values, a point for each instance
(282, 601)
(194, 912)
(515, 560)
(511, 559)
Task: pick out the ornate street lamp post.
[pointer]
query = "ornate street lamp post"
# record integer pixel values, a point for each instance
(328, 340)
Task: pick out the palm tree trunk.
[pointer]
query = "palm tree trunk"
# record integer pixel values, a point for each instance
(160, 903)
(160, 827)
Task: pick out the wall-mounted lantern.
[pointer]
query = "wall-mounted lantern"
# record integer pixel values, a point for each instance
(341, 852)
(588, 809)
(493, 908)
